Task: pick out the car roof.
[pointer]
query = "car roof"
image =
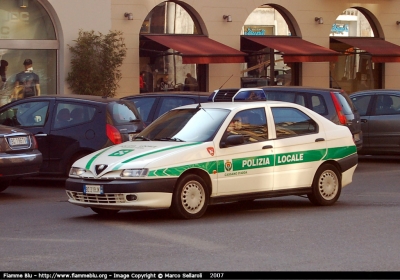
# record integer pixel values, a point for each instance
(373, 91)
(77, 97)
(171, 94)
(299, 88)
(240, 105)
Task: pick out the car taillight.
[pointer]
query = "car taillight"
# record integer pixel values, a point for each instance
(34, 142)
(113, 134)
(339, 111)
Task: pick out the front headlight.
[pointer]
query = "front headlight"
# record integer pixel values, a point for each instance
(76, 171)
(133, 173)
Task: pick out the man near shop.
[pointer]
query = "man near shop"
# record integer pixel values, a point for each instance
(27, 82)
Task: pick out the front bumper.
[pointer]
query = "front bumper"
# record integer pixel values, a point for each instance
(122, 194)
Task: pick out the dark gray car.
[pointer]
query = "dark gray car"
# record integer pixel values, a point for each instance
(333, 104)
(380, 120)
(153, 105)
(19, 155)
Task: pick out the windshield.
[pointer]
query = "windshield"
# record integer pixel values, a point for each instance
(191, 125)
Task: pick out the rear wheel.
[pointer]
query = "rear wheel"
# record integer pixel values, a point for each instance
(104, 212)
(4, 185)
(190, 198)
(326, 186)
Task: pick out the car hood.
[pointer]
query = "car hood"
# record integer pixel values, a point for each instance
(139, 154)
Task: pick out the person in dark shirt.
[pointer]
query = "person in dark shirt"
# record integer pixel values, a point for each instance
(3, 70)
(27, 82)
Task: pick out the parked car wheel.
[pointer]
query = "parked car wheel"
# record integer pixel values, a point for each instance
(190, 199)
(326, 186)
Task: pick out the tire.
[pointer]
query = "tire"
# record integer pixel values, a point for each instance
(327, 186)
(104, 212)
(4, 185)
(190, 198)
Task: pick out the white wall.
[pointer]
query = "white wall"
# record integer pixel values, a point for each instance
(74, 15)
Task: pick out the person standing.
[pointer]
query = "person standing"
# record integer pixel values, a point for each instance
(3, 70)
(190, 83)
(27, 82)
(142, 83)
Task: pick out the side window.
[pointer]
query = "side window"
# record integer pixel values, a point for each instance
(70, 114)
(291, 122)
(144, 106)
(252, 124)
(250, 95)
(32, 114)
(362, 103)
(301, 100)
(318, 105)
(169, 103)
(387, 105)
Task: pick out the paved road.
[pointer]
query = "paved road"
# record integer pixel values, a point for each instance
(40, 230)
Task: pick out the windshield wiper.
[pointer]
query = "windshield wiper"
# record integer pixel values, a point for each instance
(142, 138)
(169, 139)
(135, 120)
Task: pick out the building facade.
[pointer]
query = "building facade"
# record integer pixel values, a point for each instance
(347, 44)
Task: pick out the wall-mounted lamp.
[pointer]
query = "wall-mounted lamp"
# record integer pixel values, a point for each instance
(319, 20)
(129, 16)
(227, 18)
(398, 22)
(23, 3)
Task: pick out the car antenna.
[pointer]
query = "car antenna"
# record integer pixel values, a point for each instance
(225, 81)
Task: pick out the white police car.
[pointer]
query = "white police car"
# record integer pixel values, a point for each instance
(202, 154)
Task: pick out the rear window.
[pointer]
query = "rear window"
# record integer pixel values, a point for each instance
(346, 103)
(123, 112)
(144, 105)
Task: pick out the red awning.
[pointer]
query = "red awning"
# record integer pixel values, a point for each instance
(197, 49)
(293, 49)
(380, 50)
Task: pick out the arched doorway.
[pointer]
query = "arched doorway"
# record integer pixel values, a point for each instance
(174, 47)
(27, 32)
(272, 39)
(357, 35)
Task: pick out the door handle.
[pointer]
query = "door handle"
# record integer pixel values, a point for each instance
(319, 139)
(40, 134)
(364, 120)
(267, 147)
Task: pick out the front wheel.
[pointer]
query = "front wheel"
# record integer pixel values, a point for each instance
(190, 198)
(326, 186)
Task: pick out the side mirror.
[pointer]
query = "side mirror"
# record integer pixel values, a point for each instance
(233, 140)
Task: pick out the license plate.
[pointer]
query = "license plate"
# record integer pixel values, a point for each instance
(93, 189)
(15, 141)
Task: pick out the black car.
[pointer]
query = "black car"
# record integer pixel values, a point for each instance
(19, 155)
(333, 104)
(380, 120)
(68, 127)
(153, 105)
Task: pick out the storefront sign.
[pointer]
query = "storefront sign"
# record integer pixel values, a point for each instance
(340, 28)
(258, 30)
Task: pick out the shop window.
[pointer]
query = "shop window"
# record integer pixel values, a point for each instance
(164, 71)
(26, 33)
